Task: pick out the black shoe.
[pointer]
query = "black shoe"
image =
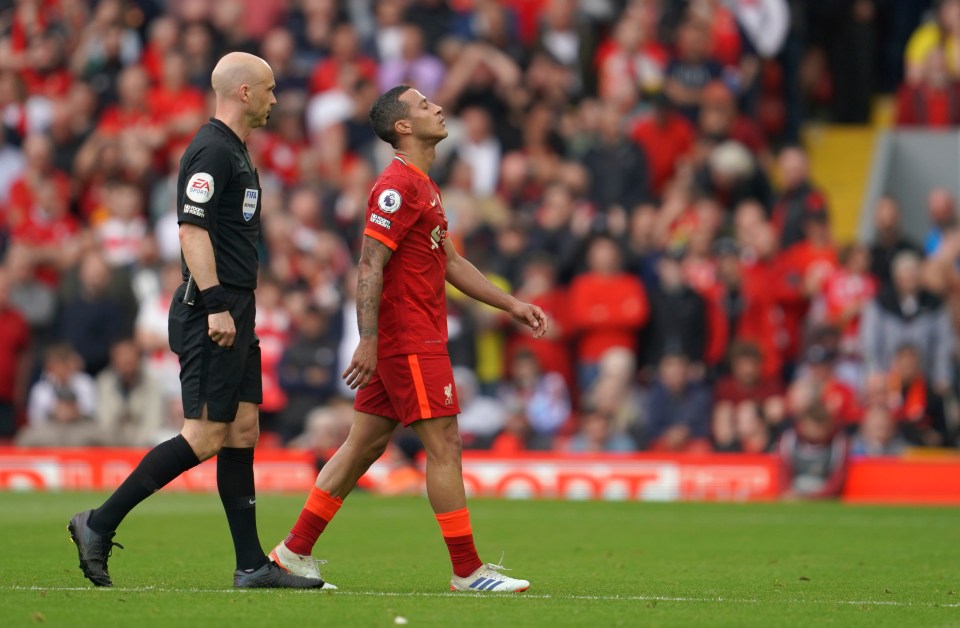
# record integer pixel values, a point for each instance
(272, 577)
(94, 549)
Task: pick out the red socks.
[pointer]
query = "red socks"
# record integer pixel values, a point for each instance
(316, 514)
(458, 535)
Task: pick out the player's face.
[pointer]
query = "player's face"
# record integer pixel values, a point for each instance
(426, 118)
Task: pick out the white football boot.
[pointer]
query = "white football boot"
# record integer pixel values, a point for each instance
(487, 579)
(297, 564)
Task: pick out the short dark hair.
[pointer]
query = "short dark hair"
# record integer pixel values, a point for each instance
(386, 111)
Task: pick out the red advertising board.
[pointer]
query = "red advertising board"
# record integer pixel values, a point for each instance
(649, 477)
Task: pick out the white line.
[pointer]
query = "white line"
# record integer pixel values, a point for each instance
(519, 596)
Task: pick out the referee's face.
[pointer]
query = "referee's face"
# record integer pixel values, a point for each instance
(262, 100)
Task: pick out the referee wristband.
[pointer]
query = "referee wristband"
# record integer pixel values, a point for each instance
(216, 299)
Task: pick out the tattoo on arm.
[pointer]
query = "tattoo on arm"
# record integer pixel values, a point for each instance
(373, 257)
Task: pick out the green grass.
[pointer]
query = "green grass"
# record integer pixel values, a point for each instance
(591, 563)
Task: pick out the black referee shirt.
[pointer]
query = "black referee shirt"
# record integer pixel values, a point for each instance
(219, 189)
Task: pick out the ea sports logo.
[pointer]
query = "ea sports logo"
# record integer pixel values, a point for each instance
(200, 188)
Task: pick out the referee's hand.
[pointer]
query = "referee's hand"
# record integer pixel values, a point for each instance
(221, 329)
(363, 365)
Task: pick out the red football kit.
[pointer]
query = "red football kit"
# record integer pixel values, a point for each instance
(414, 379)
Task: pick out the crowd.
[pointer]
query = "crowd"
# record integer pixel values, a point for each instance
(630, 166)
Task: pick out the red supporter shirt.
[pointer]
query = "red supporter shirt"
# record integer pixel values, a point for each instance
(607, 311)
(405, 212)
(14, 340)
(664, 145)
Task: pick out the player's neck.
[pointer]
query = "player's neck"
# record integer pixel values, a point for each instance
(420, 156)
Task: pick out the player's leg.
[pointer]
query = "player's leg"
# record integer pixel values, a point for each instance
(368, 439)
(441, 441)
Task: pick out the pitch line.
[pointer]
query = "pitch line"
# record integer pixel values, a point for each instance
(519, 596)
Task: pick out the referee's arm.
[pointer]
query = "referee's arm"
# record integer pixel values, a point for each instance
(198, 252)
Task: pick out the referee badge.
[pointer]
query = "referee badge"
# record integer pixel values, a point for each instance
(250, 203)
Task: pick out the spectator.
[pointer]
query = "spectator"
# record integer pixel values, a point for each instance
(846, 292)
(933, 101)
(414, 65)
(122, 232)
(813, 455)
(35, 300)
(607, 306)
(345, 60)
(667, 138)
(14, 359)
(618, 169)
(631, 64)
(877, 435)
(597, 435)
(568, 38)
(888, 241)
(916, 406)
(903, 314)
(942, 214)
(92, 319)
(798, 197)
(308, 369)
(481, 417)
(679, 409)
(273, 329)
(819, 376)
(746, 433)
(62, 369)
(745, 385)
(65, 425)
(678, 315)
(130, 399)
(690, 69)
(539, 287)
(38, 216)
(480, 150)
(940, 33)
(150, 331)
(543, 396)
(732, 176)
(720, 121)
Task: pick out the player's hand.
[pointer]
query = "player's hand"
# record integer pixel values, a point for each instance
(363, 365)
(221, 329)
(531, 316)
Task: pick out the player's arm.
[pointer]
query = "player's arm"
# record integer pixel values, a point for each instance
(373, 257)
(465, 277)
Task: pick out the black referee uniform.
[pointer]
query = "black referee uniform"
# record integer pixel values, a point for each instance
(218, 189)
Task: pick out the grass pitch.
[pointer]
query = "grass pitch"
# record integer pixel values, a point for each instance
(591, 563)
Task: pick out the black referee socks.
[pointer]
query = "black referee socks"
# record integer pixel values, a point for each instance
(158, 468)
(235, 484)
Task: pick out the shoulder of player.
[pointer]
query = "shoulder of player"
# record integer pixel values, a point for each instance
(407, 188)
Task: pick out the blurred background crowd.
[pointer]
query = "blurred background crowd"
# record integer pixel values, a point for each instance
(632, 166)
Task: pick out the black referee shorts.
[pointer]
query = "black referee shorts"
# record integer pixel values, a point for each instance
(210, 374)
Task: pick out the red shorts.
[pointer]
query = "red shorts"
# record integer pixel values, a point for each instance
(408, 388)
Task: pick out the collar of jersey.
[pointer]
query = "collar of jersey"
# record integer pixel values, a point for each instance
(223, 127)
(412, 167)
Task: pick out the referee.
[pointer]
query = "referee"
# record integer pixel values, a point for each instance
(211, 329)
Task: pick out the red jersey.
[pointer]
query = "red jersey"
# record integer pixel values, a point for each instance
(405, 212)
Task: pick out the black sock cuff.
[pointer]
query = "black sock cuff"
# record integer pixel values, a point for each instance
(236, 454)
(184, 451)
